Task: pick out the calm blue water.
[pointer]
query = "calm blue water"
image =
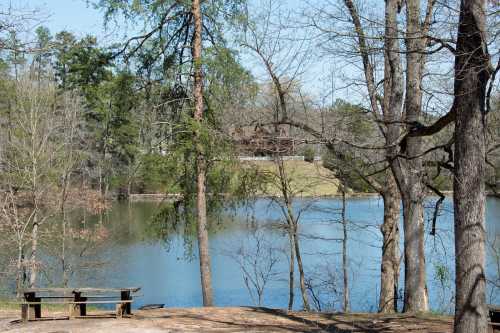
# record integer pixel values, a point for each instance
(167, 274)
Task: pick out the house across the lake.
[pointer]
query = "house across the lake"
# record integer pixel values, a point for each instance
(264, 140)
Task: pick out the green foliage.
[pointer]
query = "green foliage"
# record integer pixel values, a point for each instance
(444, 181)
(226, 79)
(81, 64)
(156, 175)
(309, 154)
(347, 168)
(442, 274)
(15, 58)
(356, 127)
(354, 118)
(138, 129)
(64, 44)
(227, 181)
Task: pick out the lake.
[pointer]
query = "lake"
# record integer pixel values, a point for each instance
(123, 247)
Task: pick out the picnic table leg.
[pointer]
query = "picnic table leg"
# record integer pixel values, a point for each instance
(127, 307)
(120, 309)
(33, 311)
(81, 309)
(24, 312)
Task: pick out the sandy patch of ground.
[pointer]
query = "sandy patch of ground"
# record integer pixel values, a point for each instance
(241, 319)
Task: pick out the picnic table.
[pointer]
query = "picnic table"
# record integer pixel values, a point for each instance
(494, 318)
(77, 299)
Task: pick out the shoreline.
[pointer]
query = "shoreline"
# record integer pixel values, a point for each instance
(156, 197)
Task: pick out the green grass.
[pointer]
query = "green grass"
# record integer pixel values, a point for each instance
(306, 179)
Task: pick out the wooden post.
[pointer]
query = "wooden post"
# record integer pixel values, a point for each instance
(31, 311)
(127, 307)
(120, 309)
(24, 312)
(79, 308)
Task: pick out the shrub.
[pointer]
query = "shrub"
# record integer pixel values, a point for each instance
(309, 154)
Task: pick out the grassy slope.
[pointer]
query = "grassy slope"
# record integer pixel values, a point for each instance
(306, 179)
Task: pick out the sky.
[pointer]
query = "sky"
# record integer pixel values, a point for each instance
(73, 15)
(80, 18)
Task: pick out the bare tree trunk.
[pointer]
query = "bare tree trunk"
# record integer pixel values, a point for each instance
(291, 282)
(406, 173)
(410, 172)
(34, 248)
(415, 299)
(293, 228)
(63, 223)
(19, 267)
(471, 78)
(389, 276)
(302, 280)
(203, 246)
(392, 109)
(344, 253)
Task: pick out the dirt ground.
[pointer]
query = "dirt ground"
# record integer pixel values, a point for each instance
(241, 319)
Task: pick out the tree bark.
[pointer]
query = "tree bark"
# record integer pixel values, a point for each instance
(389, 276)
(34, 248)
(471, 78)
(416, 299)
(201, 205)
(409, 173)
(345, 268)
(302, 280)
(392, 109)
(292, 224)
(19, 268)
(291, 271)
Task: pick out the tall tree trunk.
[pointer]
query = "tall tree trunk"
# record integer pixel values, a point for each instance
(345, 267)
(392, 109)
(302, 280)
(410, 178)
(471, 78)
(415, 299)
(292, 224)
(19, 268)
(291, 271)
(63, 224)
(201, 204)
(34, 248)
(389, 276)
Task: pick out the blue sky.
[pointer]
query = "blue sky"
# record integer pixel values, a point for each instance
(73, 15)
(80, 18)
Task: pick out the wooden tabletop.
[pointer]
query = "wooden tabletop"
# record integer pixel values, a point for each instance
(79, 290)
(495, 308)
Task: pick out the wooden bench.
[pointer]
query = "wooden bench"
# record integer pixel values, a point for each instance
(77, 299)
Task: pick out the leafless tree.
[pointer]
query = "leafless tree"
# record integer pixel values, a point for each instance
(396, 109)
(472, 73)
(40, 155)
(257, 259)
(283, 64)
(345, 264)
